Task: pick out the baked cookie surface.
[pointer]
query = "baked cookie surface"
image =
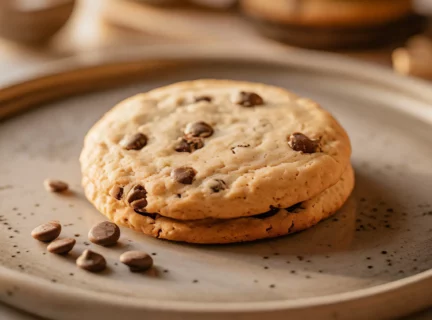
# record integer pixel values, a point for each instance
(273, 223)
(212, 149)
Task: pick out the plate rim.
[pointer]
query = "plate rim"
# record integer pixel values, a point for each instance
(272, 54)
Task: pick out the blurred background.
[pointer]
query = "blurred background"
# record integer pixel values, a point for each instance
(396, 33)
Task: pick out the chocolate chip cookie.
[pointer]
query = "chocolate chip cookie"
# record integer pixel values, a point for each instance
(272, 223)
(211, 149)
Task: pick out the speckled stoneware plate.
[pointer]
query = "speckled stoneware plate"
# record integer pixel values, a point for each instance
(372, 260)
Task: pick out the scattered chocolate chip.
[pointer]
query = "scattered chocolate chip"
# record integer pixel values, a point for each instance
(248, 99)
(116, 192)
(137, 260)
(134, 142)
(91, 261)
(184, 175)
(105, 233)
(299, 142)
(61, 246)
(217, 185)
(203, 98)
(47, 231)
(55, 185)
(189, 144)
(198, 129)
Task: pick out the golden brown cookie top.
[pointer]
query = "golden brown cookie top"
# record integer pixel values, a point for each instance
(214, 148)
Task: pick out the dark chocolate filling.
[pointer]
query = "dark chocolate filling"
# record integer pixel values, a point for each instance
(295, 208)
(146, 214)
(268, 214)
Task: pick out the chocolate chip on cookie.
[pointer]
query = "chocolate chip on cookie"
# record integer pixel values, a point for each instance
(137, 198)
(198, 129)
(189, 144)
(217, 185)
(203, 98)
(116, 192)
(184, 175)
(248, 99)
(134, 142)
(299, 142)
(105, 233)
(139, 205)
(138, 192)
(137, 260)
(91, 261)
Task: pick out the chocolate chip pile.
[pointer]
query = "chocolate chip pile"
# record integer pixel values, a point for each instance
(104, 234)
